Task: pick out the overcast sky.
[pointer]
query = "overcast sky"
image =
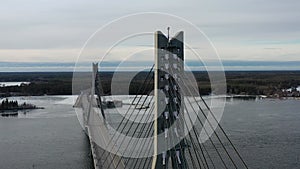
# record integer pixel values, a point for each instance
(55, 31)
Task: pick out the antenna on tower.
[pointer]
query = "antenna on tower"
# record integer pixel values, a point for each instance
(168, 33)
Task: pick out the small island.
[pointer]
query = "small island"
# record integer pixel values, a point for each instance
(10, 107)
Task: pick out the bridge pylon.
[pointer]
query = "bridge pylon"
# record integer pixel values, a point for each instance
(169, 142)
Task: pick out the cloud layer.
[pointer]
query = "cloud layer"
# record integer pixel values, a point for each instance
(55, 31)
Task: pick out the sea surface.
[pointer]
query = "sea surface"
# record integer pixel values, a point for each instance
(6, 84)
(49, 138)
(266, 133)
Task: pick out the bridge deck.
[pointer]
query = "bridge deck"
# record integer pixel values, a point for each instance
(99, 136)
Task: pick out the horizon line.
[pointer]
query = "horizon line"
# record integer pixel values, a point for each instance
(111, 66)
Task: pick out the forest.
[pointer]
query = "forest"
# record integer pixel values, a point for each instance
(267, 83)
(14, 105)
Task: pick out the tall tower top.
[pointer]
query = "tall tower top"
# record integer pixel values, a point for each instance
(168, 33)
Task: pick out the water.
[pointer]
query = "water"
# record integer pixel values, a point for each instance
(266, 133)
(44, 139)
(6, 84)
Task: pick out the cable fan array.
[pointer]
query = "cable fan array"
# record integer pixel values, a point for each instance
(217, 151)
